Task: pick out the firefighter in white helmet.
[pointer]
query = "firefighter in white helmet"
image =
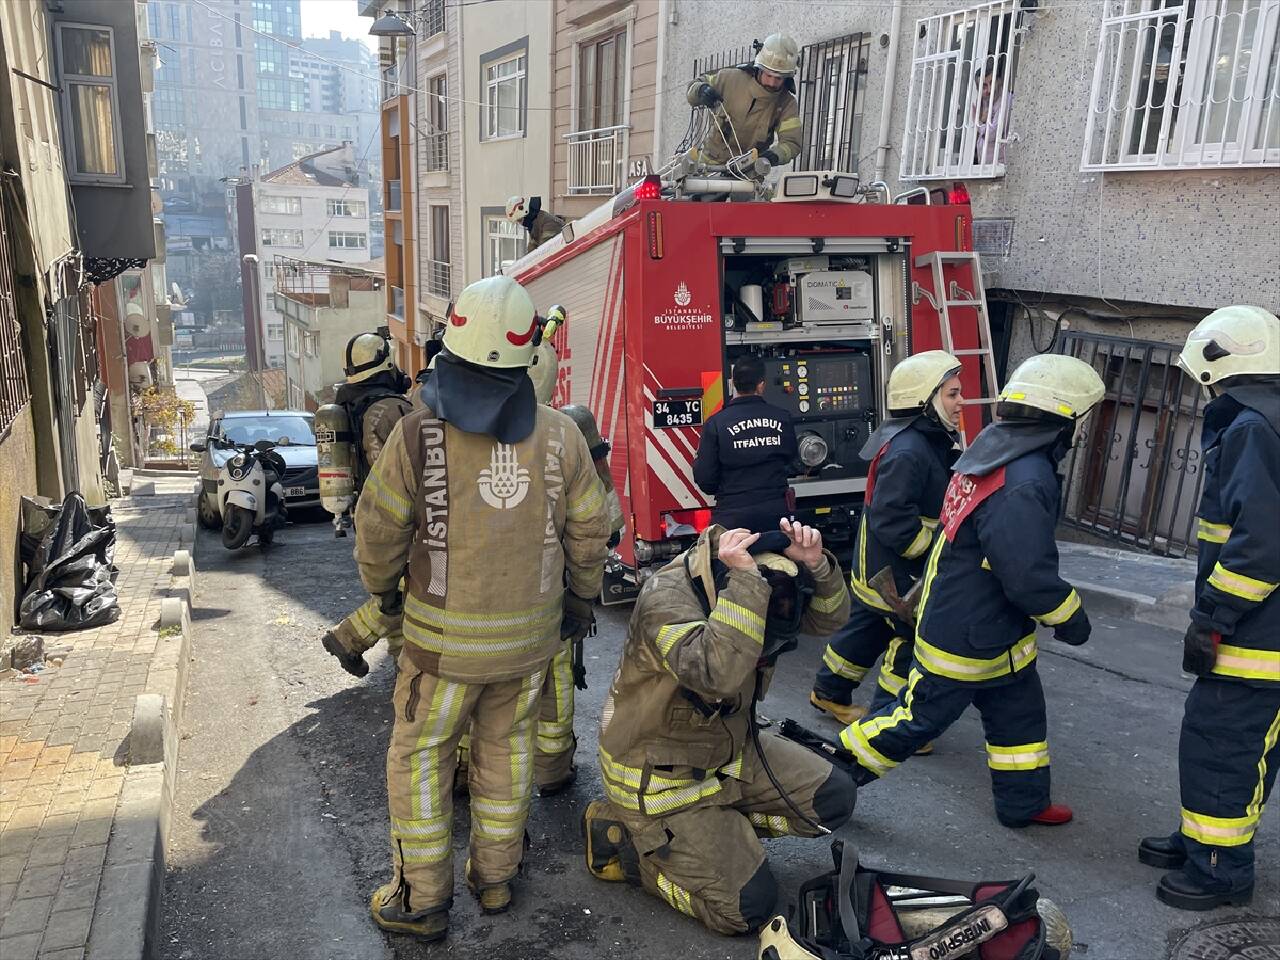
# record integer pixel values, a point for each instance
(911, 454)
(493, 504)
(991, 576)
(1228, 753)
(374, 398)
(754, 106)
(541, 224)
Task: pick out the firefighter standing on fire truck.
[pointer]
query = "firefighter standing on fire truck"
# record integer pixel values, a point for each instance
(911, 454)
(992, 573)
(482, 464)
(1228, 753)
(757, 108)
(747, 453)
(683, 764)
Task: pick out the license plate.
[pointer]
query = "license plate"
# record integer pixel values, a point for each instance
(677, 413)
(295, 491)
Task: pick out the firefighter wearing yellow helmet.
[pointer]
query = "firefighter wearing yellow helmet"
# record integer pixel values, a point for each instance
(1228, 753)
(911, 454)
(754, 106)
(541, 224)
(481, 464)
(991, 576)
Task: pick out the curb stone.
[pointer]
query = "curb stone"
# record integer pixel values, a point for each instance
(126, 917)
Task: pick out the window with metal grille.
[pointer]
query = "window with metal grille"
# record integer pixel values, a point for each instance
(830, 92)
(1185, 84)
(734, 57)
(963, 68)
(15, 392)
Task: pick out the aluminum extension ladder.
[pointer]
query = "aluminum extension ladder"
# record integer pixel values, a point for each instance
(946, 296)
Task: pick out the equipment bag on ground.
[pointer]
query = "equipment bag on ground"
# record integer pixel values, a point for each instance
(70, 576)
(855, 913)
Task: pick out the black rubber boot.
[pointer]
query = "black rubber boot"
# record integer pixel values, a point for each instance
(561, 785)
(1163, 852)
(1181, 891)
(353, 663)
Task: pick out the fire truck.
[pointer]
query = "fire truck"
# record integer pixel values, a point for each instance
(830, 283)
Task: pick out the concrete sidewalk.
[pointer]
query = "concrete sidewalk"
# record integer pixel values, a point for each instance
(1134, 586)
(88, 750)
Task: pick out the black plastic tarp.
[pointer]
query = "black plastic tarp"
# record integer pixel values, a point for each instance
(70, 576)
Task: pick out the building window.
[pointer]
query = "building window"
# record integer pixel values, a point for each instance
(287, 205)
(345, 240)
(275, 331)
(963, 67)
(295, 396)
(830, 91)
(436, 138)
(90, 106)
(505, 243)
(602, 83)
(438, 267)
(276, 237)
(432, 17)
(505, 90)
(345, 208)
(1185, 84)
(293, 343)
(168, 109)
(175, 22)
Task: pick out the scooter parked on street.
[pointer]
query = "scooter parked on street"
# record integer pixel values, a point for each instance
(250, 496)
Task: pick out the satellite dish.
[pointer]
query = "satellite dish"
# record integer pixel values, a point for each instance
(140, 374)
(135, 321)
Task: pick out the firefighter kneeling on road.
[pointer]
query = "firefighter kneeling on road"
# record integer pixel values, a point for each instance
(493, 502)
(691, 785)
(1228, 753)
(911, 454)
(757, 106)
(992, 573)
(374, 399)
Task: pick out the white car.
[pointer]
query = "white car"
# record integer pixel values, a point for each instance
(293, 434)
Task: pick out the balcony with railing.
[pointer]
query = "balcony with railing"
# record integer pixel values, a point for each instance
(596, 159)
(439, 279)
(391, 82)
(435, 152)
(392, 203)
(397, 302)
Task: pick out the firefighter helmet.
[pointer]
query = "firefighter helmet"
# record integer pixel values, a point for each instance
(1051, 384)
(1231, 342)
(915, 380)
(493, 324)
(516, 209)
(368, 354)
(779, 54)
(776, 943)
(590, 430)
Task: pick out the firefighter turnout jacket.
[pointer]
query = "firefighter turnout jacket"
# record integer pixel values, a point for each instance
(676, 718)
(542, 226)
(379, 419)
(1239, 542)
(905, 486)
(744, 460)
(755, 115)
(492, 534)
(993, 572)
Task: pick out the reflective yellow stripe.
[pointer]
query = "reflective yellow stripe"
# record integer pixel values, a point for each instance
(791, 123)
(921, 541)
(747, 622)
(855, 741)
(1219, 831)
(587, 504)
(827, 604)
(1025, 756)
(662, 794)
(675, 894)
(1062, 612)
(773, 825)
(842, 667)
(973, 669)
(1247, 663)
(986, 564)
(1213, 532)
(889, 681)
(388, 501)
(671, 634)
(1238, 585)
(1268, 744)
(868, 596)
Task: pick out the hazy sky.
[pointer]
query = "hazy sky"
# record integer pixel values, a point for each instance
(321, 16)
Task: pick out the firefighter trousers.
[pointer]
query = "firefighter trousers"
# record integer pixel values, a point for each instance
(707, 860)
(1227, 762)
(1013, 720)
(854, 649)
(431, 715)
(361, 630)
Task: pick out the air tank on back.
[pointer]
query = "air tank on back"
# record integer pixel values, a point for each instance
(336, 460)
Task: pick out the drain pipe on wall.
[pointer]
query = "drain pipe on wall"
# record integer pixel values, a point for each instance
(886, 109)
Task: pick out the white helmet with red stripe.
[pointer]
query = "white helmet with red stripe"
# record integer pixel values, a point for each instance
(516, 209)
(493, 324)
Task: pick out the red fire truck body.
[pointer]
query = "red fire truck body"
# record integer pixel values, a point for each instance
(653, 291)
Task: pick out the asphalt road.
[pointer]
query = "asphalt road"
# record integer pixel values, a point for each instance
(279, 832)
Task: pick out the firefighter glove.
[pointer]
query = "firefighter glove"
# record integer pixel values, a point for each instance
(579, 619)
(708, 95)
(773, 159)
(392, 603)
(1200, 650)
(1075, 630)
